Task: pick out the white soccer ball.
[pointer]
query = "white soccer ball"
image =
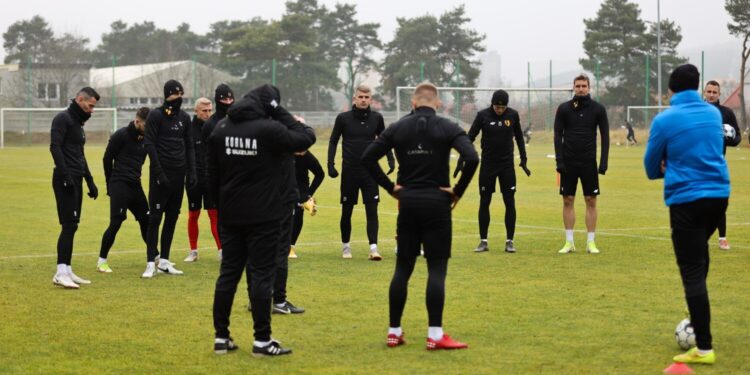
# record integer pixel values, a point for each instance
(684, 334)
(729, 132)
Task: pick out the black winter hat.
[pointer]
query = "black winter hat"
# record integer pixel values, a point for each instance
(684, 77)
(500, 97)
(223, 91)
(172, 87)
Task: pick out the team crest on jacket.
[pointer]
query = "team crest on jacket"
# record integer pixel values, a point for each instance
(507, 122)
(241, 146)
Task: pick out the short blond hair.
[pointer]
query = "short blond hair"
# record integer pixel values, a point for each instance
(425, 90)
(201, 101)
(363, 88)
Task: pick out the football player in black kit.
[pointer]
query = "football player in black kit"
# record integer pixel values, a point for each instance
(244, 160)
(123, 161)
(305, 162)
(169, 146)
(499, 125)
(711, 93)
(359, 127)
(67, 139)
(576, 122)
(198, 196)
(422, 142)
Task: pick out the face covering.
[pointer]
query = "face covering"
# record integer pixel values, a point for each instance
(172, 107)
(79, 112)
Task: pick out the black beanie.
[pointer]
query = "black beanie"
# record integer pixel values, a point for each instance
(500, 97)
(684, 77)
(223, 91)
(172, 87)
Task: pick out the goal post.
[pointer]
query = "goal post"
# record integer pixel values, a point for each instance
(27, 126)
(536, 106)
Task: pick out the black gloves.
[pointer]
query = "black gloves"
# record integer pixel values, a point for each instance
(603, 169)
(332, 172)
(560, 166)
(391, 166)
(192, 180)
(67, 181)
(93, 191)
(523, 166)
(162, 180)
(459, 166)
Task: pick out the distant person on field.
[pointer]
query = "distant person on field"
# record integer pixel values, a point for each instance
(685, 148)
(732, 137)
(576, 122)
(423, 142)
(123, 162)
(527, 134)
(631, 133)
(67, 139)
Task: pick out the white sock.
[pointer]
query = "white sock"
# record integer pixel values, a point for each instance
(345, 244)
(395, 331)
(193, 250)
(69, 269)
(704, 352)
(280, 304)
(261, 344)
(101, 260)
(569, 235)
(484, 240)
(373, 247)
(164, 262)
(62, 269)
(435, 333)
(722, 238)
(591, 236)
(508, 240)
(151, 264)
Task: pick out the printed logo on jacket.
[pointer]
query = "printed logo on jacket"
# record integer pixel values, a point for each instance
(241, 146)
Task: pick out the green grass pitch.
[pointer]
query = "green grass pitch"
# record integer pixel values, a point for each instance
(534, 312)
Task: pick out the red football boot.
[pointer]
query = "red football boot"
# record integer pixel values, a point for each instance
(445, 343)
(394, 341)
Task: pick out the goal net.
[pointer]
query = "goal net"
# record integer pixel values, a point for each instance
(31, 126)
(536, 106)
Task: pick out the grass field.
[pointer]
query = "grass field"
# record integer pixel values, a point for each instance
(534, 312)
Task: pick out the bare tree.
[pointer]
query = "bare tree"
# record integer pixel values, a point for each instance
(739, 10)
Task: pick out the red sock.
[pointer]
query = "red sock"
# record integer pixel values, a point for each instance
(213, 214)
(193, 228)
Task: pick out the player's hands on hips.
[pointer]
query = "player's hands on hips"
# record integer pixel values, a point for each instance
(310, 206)
(332, 172)
(93, 190)
(454, 197)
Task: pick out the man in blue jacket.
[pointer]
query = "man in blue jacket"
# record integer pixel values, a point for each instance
(685, 148)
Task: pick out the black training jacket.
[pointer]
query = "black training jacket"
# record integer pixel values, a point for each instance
(576, 122)
(124, 156)
(422, 142)
(302, 165)
(169, 143)
(358, 127)
(244, 160)
(497, 136)
(206, 130)
(196, 129)
(728, 117)
(66, 142)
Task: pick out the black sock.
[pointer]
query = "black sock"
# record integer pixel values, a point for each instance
(346, 222)
(65, 243)
(399, 288)
(371, 211)
(484, 215)
(437, 270)
(510, 214)
(700, 318)
(109, 236)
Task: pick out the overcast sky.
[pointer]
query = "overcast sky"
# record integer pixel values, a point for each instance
(520, 31)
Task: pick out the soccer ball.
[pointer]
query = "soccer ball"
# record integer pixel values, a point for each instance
(729, 132)
(684, 334)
